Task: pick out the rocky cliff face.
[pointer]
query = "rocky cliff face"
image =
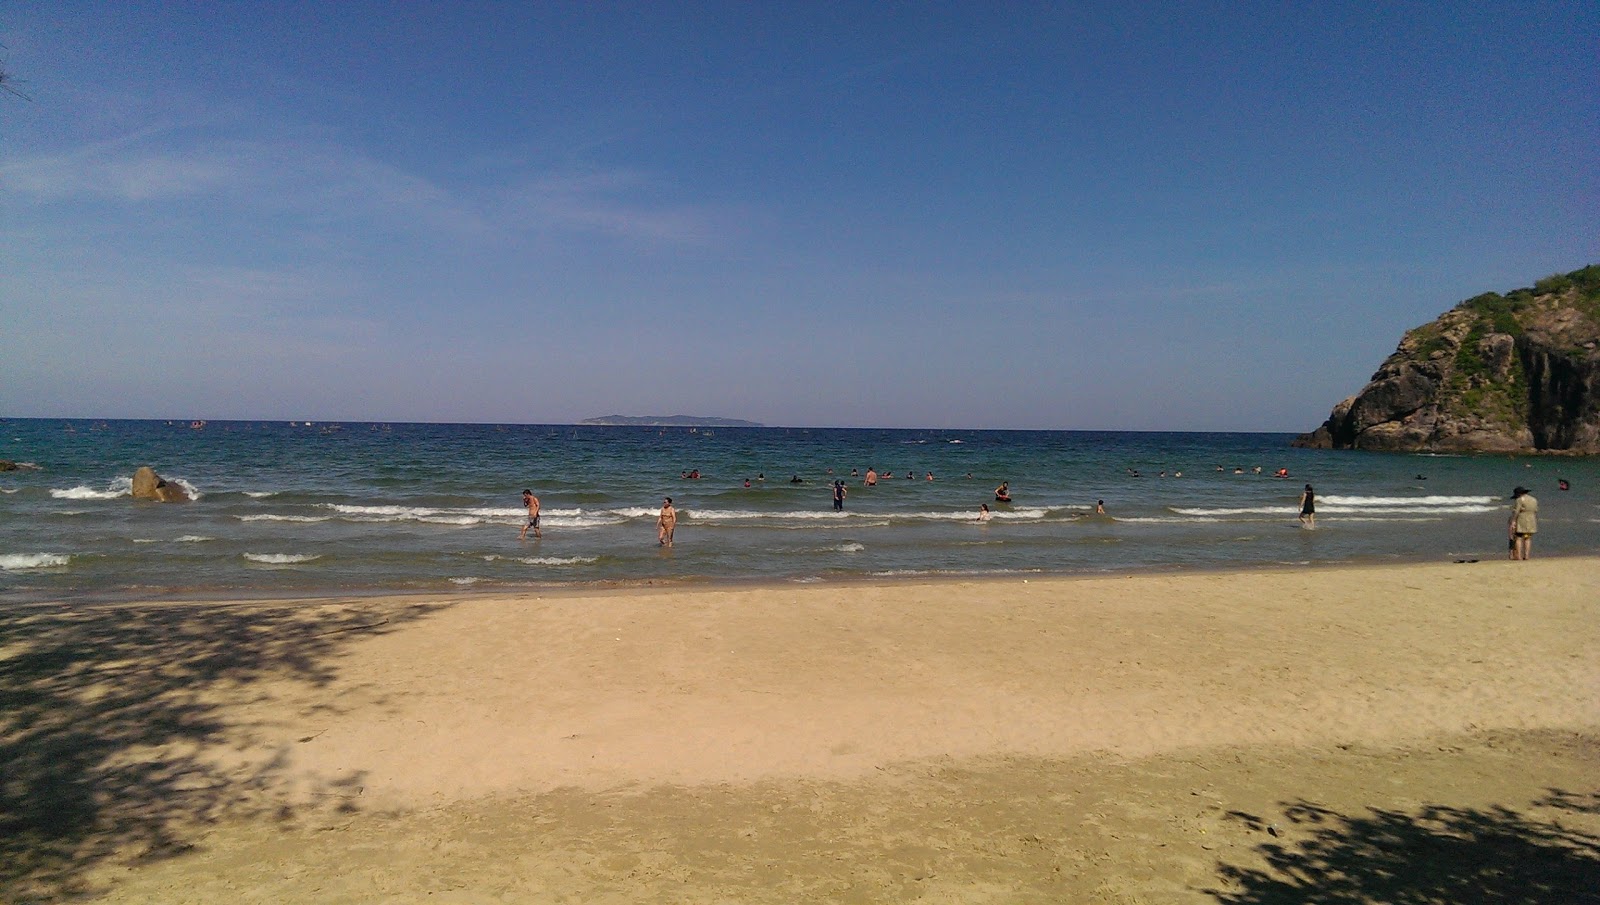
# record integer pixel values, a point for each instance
(1498, 373)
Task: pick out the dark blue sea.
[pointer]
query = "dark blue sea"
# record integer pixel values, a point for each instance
(286, 509)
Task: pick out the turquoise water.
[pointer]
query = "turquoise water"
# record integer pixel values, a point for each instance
(303, 509)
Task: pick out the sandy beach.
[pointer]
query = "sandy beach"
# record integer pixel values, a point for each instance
(1253, 736)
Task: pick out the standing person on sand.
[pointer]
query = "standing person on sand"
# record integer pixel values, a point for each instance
(1524, 522)
(665, 522)
(532, 502)
(1308, 508)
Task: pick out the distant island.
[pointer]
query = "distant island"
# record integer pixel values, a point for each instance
(1509, 373)
(667, 421)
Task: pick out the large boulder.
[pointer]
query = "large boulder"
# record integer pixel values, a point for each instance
(147, 485)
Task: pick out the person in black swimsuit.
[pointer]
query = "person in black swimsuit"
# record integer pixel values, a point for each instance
(1308, 507)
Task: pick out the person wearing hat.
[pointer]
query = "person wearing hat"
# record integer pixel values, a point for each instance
(1524, 522)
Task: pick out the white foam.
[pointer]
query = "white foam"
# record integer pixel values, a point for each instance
(729, 515)
(260, 494)
(558, 560)
(193, 492)
(462, 516)
(465, 580)
(284, 518)
(118, 488)
(1430, 505)
(9, 489)
(850, 548)
(281, 559)
(1404, 501)
(636, 512)
(1385, 510)
(582, 522)
(146, 540)
(14, 562)
(194, 539)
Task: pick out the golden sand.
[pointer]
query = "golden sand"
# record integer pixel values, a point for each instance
(1147, 738)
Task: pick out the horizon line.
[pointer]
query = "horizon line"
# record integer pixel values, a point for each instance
(750, 426)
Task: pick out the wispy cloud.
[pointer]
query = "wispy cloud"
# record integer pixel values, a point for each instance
(324, 179)
(328, 180)
(616, 203)
(111, 173)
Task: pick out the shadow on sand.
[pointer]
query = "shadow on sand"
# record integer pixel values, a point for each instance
(104, 712)
(1436, 855)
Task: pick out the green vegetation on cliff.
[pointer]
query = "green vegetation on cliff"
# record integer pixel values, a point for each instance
(1505, 372)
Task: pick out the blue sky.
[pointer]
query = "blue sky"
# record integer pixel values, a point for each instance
(1193, 216)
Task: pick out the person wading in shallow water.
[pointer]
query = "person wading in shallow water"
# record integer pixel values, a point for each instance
(532, 502)
(666, 522)
(1308, 507)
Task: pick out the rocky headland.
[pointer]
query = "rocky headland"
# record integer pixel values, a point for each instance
(1511, 373)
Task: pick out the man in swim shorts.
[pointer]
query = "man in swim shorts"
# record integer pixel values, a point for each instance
(532, 502)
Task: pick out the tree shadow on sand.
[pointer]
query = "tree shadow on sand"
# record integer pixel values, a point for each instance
(105, 712)
(1434, 856)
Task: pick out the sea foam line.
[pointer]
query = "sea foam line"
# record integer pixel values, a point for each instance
(282, 559)
(1339, 500)
(15, 562)
(119, 487)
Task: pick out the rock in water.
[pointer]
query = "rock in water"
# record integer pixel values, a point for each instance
(1497, 373)
(147, 485)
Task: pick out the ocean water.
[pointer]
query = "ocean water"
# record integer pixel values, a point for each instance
(302, 509)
